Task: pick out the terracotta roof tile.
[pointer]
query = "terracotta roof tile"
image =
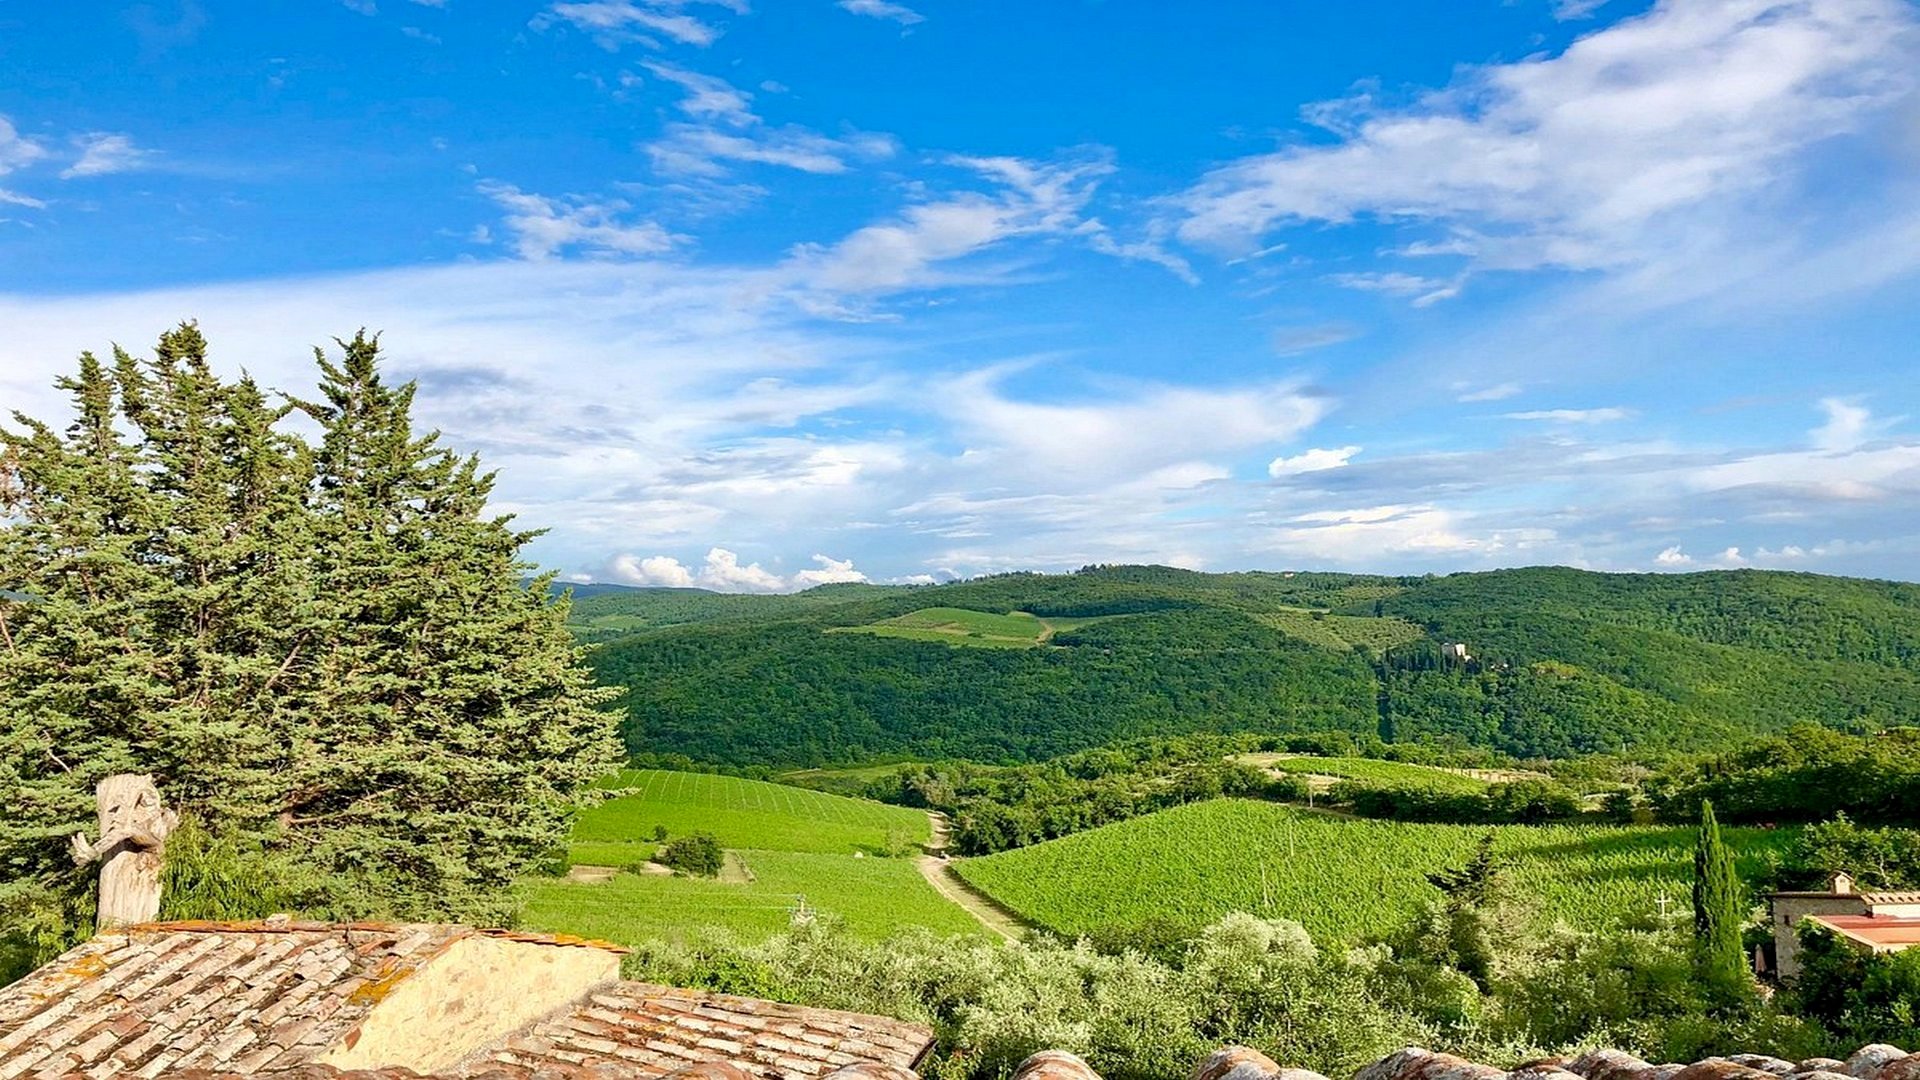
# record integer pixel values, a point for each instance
(659, 1029)
(1880, 931)
(157, 998)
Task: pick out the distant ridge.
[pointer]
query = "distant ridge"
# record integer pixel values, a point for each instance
(1562, 661)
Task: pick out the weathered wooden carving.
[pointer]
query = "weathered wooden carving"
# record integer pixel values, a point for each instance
(133, 837)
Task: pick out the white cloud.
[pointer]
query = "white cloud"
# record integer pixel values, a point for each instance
(700, 150)
(722, 571)
(102, 153)
(723, 129)
(544, 226)
(1424, 290)
(1294, 340)
(1497, 392)
(1581, 159)
(17, 151)
(1123, 437)
(1569, 10)
(707, 97)
(1848, 425)
(1034, 198)
(831, 571)
(662, 571)
(1312, 461)
(1377, 534)
(617, 22)
(1606, 415)
(883, 9)
(1673, 556)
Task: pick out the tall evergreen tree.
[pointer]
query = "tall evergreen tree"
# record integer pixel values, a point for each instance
(459, 715)
(1719, 913)
(329, 656)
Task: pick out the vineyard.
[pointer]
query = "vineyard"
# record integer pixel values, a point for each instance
(788, 849)
(958, 626)
(739, 813)
(1343, 632)
(1391, 773)
(872, 897)
(1343, 879)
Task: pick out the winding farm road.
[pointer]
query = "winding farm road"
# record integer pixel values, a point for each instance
(939, 872)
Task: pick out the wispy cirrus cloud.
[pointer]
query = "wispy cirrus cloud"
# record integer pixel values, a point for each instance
(1576, 160)
(1027, 198)
(103, 153)
(17, 151)
(722, 130)
(542, 226)
(1605, 415)
(614, 23)
(883, 9)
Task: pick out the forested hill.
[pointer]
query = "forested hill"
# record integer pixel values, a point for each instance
(1027, 666)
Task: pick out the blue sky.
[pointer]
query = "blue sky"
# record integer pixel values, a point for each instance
(756, 294)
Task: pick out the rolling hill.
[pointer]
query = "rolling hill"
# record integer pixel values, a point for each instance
(1563, 661)
(1343, 880)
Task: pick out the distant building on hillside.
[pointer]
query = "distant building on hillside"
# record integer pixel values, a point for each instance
(1878, 921)
(1454, 652)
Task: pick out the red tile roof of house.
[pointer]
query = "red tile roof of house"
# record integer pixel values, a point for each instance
(275, 997)
(155, 999)
(1879, 931)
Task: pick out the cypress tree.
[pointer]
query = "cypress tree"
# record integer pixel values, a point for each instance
(1719, 913)
(329, 656)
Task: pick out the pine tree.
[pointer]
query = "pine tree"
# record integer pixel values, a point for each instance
(1719, 914)
(328, 656)
(461, 713)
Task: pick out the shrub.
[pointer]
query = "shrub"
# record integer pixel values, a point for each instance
(695, 854)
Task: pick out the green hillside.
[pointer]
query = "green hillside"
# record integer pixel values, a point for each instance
(739, 813)
(788, 849)
(1341, 879)
(1564, 662)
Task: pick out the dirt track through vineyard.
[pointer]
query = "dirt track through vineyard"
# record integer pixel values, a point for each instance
(938, 870)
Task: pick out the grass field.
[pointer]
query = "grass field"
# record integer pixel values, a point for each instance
(796, 845)
(1343, 632)
(739, 813)
(959, 626)
(1343, 879)
(1396, 773)
(874, 897)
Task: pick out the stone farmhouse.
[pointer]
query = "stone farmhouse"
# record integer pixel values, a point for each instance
(1880, 922)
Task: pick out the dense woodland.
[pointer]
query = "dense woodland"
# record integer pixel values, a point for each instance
(1564, 663)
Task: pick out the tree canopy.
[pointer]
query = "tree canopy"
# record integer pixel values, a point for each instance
(327, 652)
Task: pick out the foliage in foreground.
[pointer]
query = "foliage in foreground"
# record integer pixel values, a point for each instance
(1260, 982)
(325, 652)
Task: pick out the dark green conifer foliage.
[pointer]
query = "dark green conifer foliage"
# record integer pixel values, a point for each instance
(1719, 914)
(329, 656)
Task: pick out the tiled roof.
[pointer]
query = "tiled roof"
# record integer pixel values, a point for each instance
(1879, 931)
(1892, 897)
(659, 1029)
(251, 997)
(205, 999)
(1877, 1062)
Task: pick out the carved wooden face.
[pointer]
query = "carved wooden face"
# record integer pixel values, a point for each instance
(127, 801)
